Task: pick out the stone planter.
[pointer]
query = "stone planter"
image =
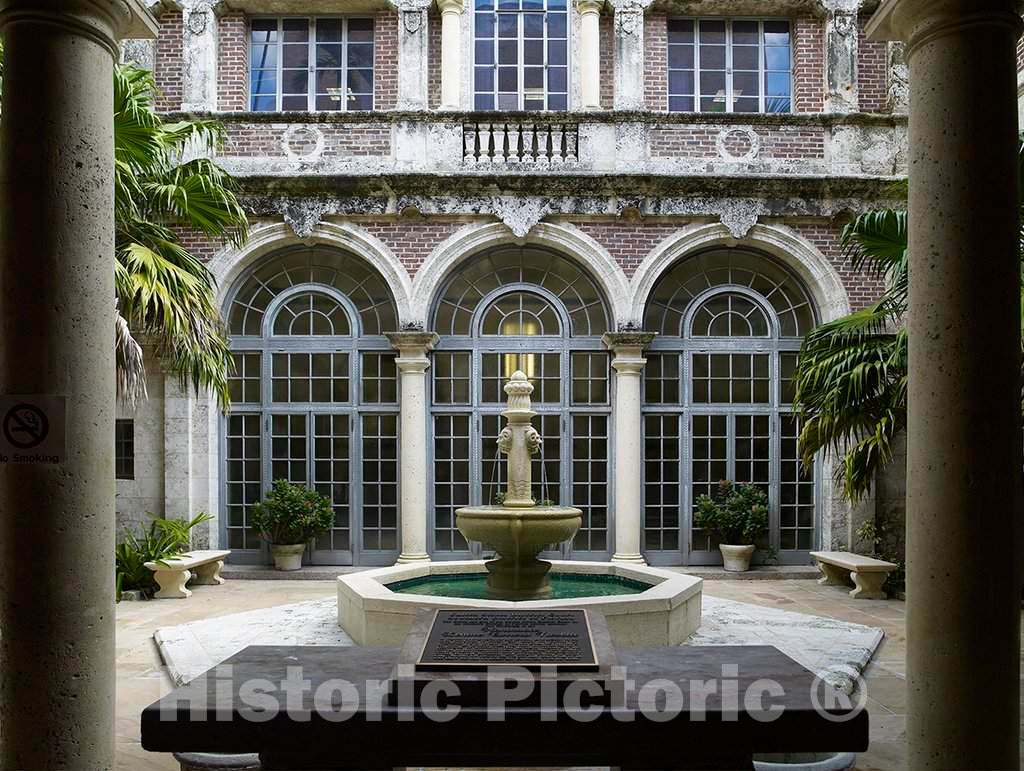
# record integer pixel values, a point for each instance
(287, 556)
(736, 558)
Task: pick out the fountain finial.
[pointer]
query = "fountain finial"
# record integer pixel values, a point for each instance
(519, 440)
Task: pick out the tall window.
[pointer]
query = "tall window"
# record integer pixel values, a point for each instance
(718, 396)
(729, 65)
(311, 64)
(124, 448)
(533, 310)
(520, 55)
(315, 401)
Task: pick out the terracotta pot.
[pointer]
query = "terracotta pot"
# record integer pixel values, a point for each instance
(736, 558)
(287, 556)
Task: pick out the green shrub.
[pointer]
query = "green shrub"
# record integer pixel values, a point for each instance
(734, 513)
(162, 540)
(292, 514)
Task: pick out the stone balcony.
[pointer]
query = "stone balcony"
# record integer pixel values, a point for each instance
(577, 144)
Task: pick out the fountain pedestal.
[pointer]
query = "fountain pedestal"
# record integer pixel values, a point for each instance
(518, 529)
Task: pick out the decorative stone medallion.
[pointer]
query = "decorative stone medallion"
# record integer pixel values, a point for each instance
(198, 19)
(302, 143)
(738, 143)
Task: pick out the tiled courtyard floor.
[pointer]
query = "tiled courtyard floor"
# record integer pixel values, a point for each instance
(140, 682)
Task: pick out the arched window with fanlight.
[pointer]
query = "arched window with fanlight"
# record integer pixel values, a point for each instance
(314, 400)
(531, 309)
(718, 398)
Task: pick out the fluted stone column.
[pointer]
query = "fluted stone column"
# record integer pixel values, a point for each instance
(964, 546)
(842, 43)
(628, 363)
(590, 53)
(629, 54)
(412, 363)
(57, 338)
(451, 53)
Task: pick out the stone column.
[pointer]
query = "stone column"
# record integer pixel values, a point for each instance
(199, 55)
(451, 53)
(841, 46)
(628, 363)
(412, 365)
(629, 54)
(964, 448)
(412, 54)
(56, 338)
(590, 53)
(178, 403)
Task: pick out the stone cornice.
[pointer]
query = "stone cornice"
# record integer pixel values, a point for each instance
(629, 340)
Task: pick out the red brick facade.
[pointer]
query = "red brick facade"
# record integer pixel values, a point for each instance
(339, 139)
(232, 62)
(808, 64)
(385, 60)
(607, 59)
(433, 59)
(169, 65)
(872, 72)
(861, 288)
(701, 141)
(412, 241)
(656, 61)
(628, 244)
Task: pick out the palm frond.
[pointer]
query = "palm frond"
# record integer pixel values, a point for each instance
(131, 370)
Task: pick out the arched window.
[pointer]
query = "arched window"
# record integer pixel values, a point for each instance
(314, 401)
(718, 400)
(531, 309)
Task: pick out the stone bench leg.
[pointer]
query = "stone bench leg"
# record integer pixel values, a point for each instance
(869, 586)
(208, 574)
(833, 575)
(172, 584)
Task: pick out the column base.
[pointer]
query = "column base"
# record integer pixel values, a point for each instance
(630, 559)
(404, 559)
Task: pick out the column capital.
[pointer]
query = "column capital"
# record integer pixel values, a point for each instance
(450, 6)
(589, 6)
(412, 349)
(628, 348)
(104, 21)
(919, 21)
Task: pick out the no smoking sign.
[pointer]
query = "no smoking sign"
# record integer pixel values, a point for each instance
(32, 429)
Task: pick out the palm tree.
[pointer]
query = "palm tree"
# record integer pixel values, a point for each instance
(851, 379)
(163, 179)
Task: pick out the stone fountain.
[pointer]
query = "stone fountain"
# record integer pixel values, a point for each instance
(518, 529)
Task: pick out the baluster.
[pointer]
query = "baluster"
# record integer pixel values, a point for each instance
(543, 144)
(485, 143)
(557, 155)
(469, 143)
(527, 143)
(513, 142)
(498, 134)
(572, 138)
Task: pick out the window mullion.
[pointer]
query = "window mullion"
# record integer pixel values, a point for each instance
(728, 65)
(311, 66)
(696, 67)
(761, 79)
(279, 86)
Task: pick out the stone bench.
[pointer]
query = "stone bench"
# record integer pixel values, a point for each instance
(867, 573)
(172, 574)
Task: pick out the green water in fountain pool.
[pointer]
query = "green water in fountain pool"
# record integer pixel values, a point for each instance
(564, 586)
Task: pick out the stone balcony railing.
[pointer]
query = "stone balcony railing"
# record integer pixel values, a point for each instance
(646, 144)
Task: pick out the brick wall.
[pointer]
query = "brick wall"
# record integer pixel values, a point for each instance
(198, 244)
(700, 141)
(861, 288)
(385, 60)
(607, 58)
(232, 64)
(628, 244)
(167, 69)
(340, 139)
(872, 72)
(433, 59)
(411, 241)
(656, 60)
(808, 64)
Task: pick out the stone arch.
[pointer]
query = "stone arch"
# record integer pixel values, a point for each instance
(230, 263)
(564, 238)
(818, 275)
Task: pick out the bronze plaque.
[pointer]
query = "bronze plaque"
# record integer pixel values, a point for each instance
(477, 639)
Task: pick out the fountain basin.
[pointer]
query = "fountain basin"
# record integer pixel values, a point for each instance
(665, 613)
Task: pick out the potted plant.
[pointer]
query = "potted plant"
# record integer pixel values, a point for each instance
(288, 518)
(736, 515)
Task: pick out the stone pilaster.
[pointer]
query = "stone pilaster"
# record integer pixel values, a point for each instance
(199, 55)
(841, 47)
(451, 53)
(56, 338)
(964, 460)
(412, 53)
(629, 54)
(412, 363)
(590, 53)
(178, 404)
(628, 363)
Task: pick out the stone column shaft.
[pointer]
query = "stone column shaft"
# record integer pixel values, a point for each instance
(412, 364)
(56, 337)
(590, 53)
(628, 363)
(451, 54)
(629, 54)
(964, 445)
(178, 404)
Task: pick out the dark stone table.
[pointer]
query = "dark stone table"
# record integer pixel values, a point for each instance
(211, 714)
